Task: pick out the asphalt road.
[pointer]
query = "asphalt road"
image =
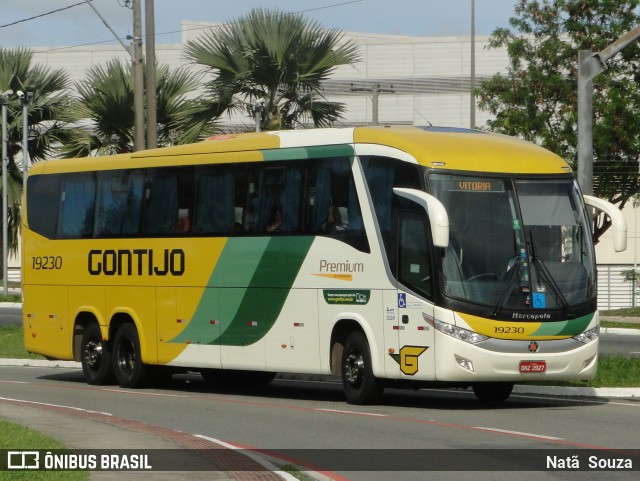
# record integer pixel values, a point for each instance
(310, 422)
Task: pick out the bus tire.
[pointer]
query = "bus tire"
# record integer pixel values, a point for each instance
(128, 367)
(493, 392)
(95, 356)
(358, 382)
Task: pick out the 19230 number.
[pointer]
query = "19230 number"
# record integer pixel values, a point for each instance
(509, 330)
(47, 262)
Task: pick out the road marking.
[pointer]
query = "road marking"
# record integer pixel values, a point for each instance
(15, 382)
(256, 457)
(36, 403)
(338, 411)
(518, 433)
(142, 393)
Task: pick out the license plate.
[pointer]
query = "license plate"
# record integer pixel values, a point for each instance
(528, 367)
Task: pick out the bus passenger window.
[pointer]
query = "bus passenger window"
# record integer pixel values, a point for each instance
(43, 197)
(76, 206)
(215, 194)
(119, 203)
(274, 199)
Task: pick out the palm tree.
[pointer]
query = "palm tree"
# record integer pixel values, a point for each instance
(276, 58)
(105, 99)
(48, 120)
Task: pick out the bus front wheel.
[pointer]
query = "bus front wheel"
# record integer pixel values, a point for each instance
(493, 392)
(358, 382)
(128, 367)
(95, 356)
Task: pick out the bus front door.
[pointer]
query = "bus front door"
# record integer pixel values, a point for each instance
(415, 355)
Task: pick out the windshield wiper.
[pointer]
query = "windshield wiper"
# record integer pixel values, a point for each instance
(547, 278)
(506, 284)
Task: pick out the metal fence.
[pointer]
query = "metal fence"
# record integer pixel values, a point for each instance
(613, 291)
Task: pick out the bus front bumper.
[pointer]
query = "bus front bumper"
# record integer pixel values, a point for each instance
(514, 360)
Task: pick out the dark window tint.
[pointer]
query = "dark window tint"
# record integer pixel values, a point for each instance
(77, 199)
(167, 201)
(119, 203)
(43, 197)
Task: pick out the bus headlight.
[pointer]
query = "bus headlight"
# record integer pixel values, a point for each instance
(587, 336)
(458, 332)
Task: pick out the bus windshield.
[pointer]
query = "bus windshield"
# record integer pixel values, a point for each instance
(515, 244)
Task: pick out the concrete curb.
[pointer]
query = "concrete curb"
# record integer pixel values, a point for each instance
(608, 392)
(621, 331)
(598, 392)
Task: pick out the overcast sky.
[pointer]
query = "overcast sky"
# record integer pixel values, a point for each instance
(79, 24)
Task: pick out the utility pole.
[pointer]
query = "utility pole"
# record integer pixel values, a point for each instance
(4, 100)
(590, 65)
(150, 79)
(138, 79)
(375, 92)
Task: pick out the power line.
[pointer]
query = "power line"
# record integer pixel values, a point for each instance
(177, 31)
(41, 15)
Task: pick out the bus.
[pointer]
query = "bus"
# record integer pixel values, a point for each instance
(385, 256)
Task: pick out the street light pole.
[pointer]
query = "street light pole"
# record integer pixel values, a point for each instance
(4, 99)
(590, 65)
(150, 79)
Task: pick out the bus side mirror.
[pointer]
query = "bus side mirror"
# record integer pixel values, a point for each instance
(438, 217)
(618, 222)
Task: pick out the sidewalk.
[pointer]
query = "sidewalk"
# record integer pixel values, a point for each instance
(81, 429)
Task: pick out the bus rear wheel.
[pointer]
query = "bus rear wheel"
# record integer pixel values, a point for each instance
(128, 367)
(95, 356)
(358, 382)
(493, 392)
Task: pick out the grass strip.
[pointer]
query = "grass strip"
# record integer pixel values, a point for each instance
(17, 437)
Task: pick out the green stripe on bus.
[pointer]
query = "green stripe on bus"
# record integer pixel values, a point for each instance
(565, 328)
(246, 314)
(262, 305)
(319, 152)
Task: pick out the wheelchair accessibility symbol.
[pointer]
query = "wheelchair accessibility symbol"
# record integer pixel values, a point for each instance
(402, 300)
(539, 300)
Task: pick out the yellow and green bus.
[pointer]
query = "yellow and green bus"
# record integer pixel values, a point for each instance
(388, 256)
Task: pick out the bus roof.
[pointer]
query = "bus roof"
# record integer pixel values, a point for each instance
(435, 147)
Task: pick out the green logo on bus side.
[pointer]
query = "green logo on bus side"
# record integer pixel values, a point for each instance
(346, 296)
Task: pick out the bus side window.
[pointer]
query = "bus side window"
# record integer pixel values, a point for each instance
(167, 200)
(273, 199)
(414, 261)
(332, 200)
(76, 205)
(119, 203)
(215, 195)
(43, 197)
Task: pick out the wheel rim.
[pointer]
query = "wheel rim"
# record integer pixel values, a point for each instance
(354, 368)
(93, 354)
(126, 356)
